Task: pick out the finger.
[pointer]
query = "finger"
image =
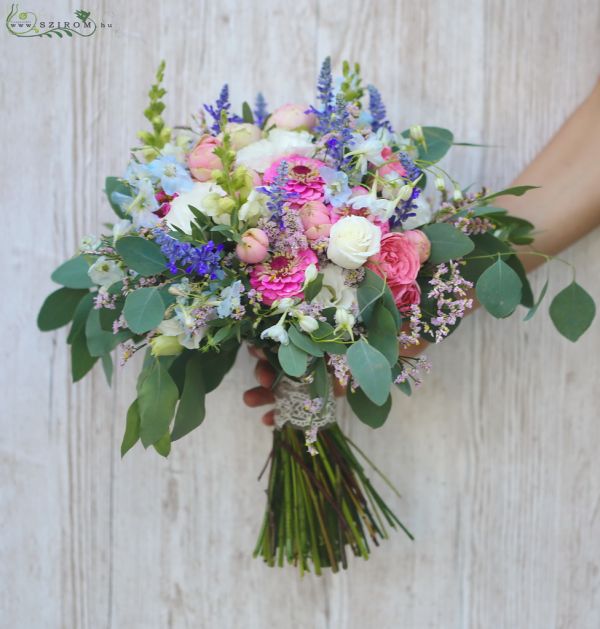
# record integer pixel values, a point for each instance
(338, 389)
(268, 419)
(256, 352)
(265, 374)
(259, 396)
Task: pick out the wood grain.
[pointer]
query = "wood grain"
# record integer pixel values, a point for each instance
(496, 457)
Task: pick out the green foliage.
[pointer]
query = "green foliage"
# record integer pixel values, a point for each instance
(370, 290)
(572, 311)
(81, 359)
(247, 114)
(304, 342)
(160, 133)
(111, 185)
(217, 364)
(374, 415)
(163, 445)
(499, 289)
(526, 293)
(371, 370)
(516, 191)
(293, 360)
(132, 428)
(141, 255)
(314, 288)
(107, 367)
(80, 316)
(59, 307)
(536, 305)
(144, 309)
(73, 273)
(438, 142)
(191, 410)
(383, 333)
(157, 396)
(447, 242)
(319, 387)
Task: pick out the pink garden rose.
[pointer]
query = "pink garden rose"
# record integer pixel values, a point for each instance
(421, 242)
(202, 160)
(304, 179)
(253, 246)
(397, 262)
(282, 275)
(393, 166)
(292, 117)
(405, 295)
(316, 220)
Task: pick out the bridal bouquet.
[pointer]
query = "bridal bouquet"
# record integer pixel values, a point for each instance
(319, 235)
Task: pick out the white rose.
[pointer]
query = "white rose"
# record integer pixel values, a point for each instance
(180, 214)
(423, 214)
(352, 241)
(335, 293)
(279, 143)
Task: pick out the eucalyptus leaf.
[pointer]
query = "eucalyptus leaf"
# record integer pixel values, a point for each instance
(304, 342)
(499, 289)
(369, 291)
(314, 288)
(447, 242)
(572, 311)
(515, 191)
(141, 255)
(163, 445)
(374, 415)
(107, 367)
(73, 273)
(536, 305)
(383, 333)
(144, 309)
(191, 410)
(371, 370)
(293, 360)
(132, 428)
(112, 185)
(438, 142)
(59, 308)
(81, 359)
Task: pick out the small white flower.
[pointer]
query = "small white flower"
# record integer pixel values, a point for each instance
(344, 319)
(457, 195)
(283, 305)
(335, 293)
(279, 143)
(308, 324)
(416, 133)
(310, 274)
(366, 150)
(440, 184)
(352, 241)
(105, 272)
(381, 208)
(90, 243)
(120, 229)
(277, 333)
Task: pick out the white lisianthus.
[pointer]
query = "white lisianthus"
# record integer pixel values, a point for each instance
(423, 214)
(352, 241)
(277, 333)
(105, 272)
(334, 292)
(180, 214)
(279, 143)
(254, 208)
(307, 323)
(120, 228)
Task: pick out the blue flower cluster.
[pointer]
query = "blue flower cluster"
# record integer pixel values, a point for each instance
(183, 256)
(405, 209)
(341, 133)
(277, 193)
(377, 110)
(325, 97)
(260, 110)
(216, 110)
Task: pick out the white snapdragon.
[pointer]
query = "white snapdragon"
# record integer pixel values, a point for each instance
(254, 208)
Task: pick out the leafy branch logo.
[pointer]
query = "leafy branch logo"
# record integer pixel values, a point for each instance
(26, 24)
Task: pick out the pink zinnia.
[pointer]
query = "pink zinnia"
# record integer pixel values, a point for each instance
(304, 179)
(282, 275)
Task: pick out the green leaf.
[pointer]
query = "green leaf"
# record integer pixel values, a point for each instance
(163, 445)
(304, 342)
(374, 415)
(516, 191)
(157, 396)
(191, 410)
(292, 360)
(80, 317)
(81, 359)
(99, 341)
(107, 367)
(73, 273)
(141, 255)
(319, 387)
(383, 333)
(403, 386)
(324, 331)
(483, 255)
(217, 364)
(438, 142)
(144, 309)
(526, 293)
(499, 289)
(109, 315)
(314, 288)
(535, 306)
(132, 428)
(390, 304)
(369, 291)
(447, 242)
(247, 114)
(111, 185)
(572, 311)
(371, 370)
(59, 308)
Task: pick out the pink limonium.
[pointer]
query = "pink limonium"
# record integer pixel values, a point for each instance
(292, 117)
(202, 160)
(253, 246)
(281, 275)
(304, 180)
(316, 219)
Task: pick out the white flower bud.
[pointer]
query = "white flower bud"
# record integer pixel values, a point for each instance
(276, 333)
(440, 184)
(457, 194)
(405, 192)
(416, 133)
(308, 324)
(310, 274)
(283, 305)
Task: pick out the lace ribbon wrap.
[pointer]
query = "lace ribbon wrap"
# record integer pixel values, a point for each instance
(293, 404)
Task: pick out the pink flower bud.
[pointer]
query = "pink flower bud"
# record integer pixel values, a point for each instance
(292, 118)
(421, 242)
(316, 220)
(202, 160)
(253, 246)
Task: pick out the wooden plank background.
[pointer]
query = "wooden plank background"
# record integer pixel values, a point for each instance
(496, 457)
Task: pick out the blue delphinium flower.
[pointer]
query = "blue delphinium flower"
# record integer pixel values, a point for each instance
(216, 110)
(277, 193)
(260, 110)
(172, 175)
(325, 98)
(230, 297)
(406, 209)
(183, 256)
(377, 109)
(341, 133)
(337, 190)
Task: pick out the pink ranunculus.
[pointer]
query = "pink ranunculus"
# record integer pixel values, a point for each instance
(292, 117)
(405, 295)
(253, 246)
(316, 220)
(282, 275)
(304, 179)
(397, 262)
(421, 242)
(393, 166)
(202, 160)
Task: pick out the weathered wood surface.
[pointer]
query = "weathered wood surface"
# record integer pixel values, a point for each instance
(496, 457)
